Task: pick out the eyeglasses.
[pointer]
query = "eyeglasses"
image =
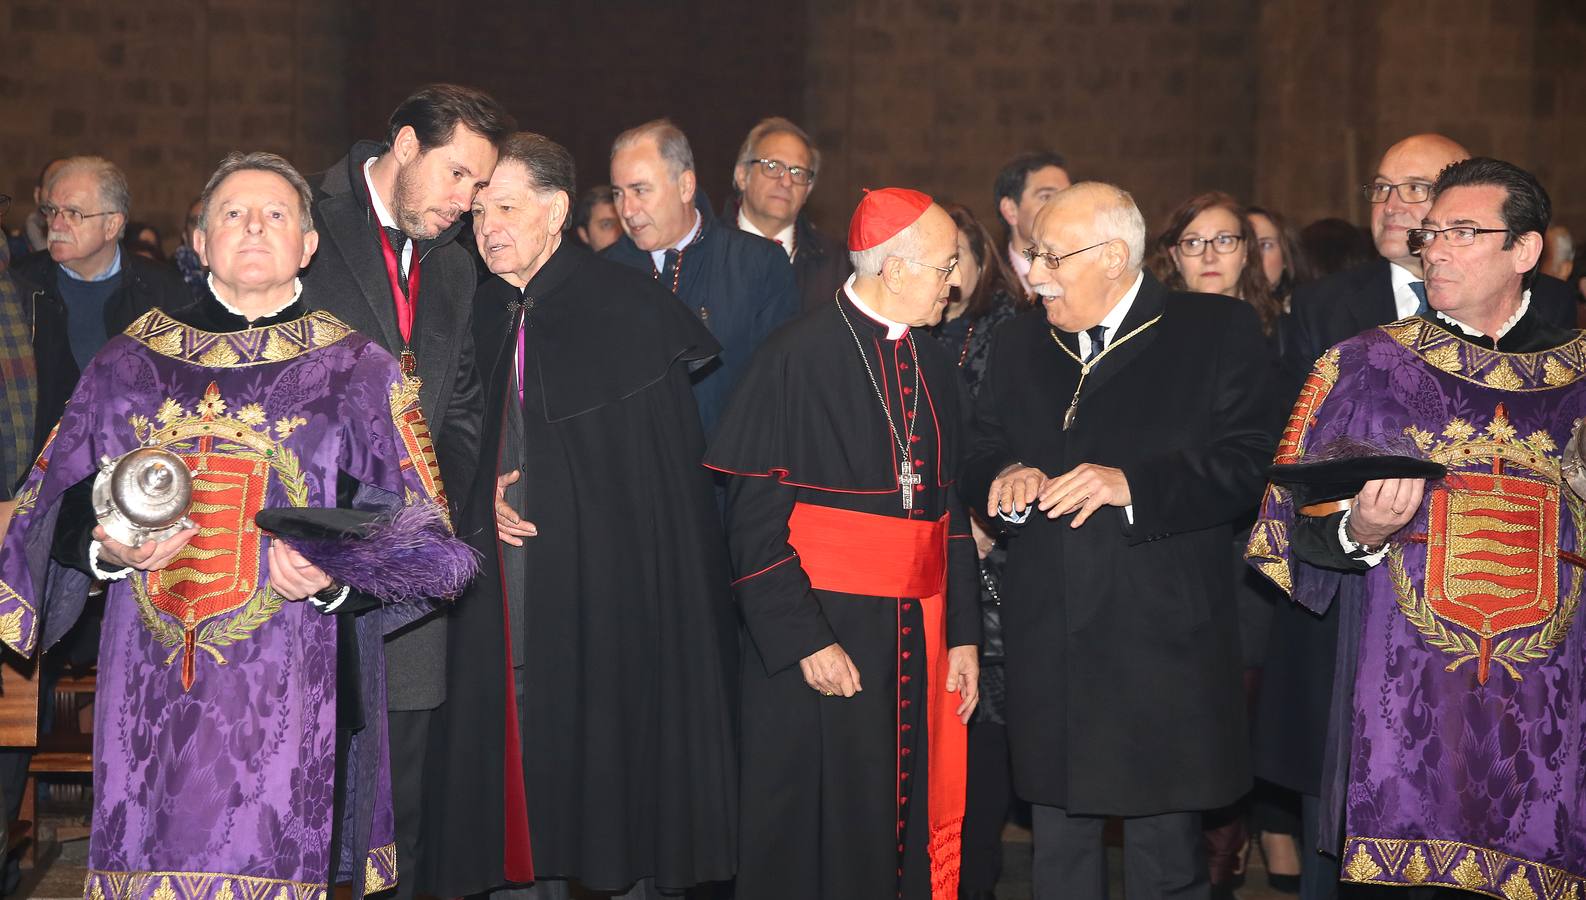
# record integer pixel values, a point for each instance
(947, 270)
(1196, 246)
(73, 217)
(1409, 191)
(1458, 236)
(774, 168)
(1053, 259)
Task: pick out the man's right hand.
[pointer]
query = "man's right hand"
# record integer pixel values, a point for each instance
(148, 558)
(830, 671)
(1383, 507)
(1014, 489)
(510, 527)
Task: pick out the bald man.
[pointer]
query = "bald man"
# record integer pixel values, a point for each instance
(1296, 683)
(1341, 306)
(1126, 427)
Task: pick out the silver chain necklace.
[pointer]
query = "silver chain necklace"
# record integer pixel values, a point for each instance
(908, 479)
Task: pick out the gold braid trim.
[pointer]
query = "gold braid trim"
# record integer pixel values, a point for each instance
(255, 346)
(1398, 862)
(100, 884)
(1521, 372)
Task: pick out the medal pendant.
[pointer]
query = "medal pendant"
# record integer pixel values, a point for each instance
(1068, 417)
(409, 363)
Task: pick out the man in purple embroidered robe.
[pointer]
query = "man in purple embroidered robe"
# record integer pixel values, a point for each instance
(1457, 751)
(216, 751)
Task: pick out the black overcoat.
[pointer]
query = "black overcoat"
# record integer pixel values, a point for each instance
(347, 278)
(1124, 692)
(629, 637)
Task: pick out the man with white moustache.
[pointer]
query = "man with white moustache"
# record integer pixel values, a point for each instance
(1127, 429)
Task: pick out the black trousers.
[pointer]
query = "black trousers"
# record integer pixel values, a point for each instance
(1163, 857)
(410, 730)
(989, 794)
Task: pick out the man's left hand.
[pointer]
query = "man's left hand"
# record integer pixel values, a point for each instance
(963, 678)
(1085, 488)
(293, 576)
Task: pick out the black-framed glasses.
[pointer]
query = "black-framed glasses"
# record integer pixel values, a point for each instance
(1409, 191)
(1458, 236)
(773, 169)
(947, 270)
(73, 217)
(1052, 260)
(1224, 244)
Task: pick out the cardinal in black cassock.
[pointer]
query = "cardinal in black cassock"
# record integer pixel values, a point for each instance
(593, 659)
(856, 579)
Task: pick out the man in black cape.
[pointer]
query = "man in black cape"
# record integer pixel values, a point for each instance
(856, 579)
(620, 637)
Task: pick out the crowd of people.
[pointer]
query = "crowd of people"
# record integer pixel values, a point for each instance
(701, 553)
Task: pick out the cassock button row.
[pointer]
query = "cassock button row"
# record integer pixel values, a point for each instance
(907, 607)
(906, 703)
(907, 654)
(907, 630)
(907, 727)
(905, 679)
(904, 366)
(907, 390)
(914, 439)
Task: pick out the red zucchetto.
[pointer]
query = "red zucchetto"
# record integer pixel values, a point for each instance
(884, 213)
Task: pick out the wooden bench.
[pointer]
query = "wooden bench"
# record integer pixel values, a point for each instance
(66, 753)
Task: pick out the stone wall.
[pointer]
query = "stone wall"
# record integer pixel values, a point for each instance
(165, 88)
(1285, 102)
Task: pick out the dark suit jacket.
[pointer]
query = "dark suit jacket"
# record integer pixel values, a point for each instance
(821, 265)
(145, 285)
(739, 285)
(1342, 305)
(347, 278)
(1122, 655)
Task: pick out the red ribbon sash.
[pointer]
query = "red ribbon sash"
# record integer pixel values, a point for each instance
(405, 303)
(860, 553)
(881, 556)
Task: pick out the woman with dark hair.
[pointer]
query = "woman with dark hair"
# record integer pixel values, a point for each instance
(986, 296)
(1207, 247)
(1278, 248)
(1211, 245)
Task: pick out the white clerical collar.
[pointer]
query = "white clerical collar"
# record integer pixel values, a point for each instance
(895, 330)
(112, 271)
(783, 237)
(297, 291)
(659, 256)
(381, 214)
(1525, 304)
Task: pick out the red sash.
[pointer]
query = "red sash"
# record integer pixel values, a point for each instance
(881, 556)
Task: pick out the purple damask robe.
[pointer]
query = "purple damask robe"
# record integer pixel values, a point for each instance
(1459, 739)
(215, 732)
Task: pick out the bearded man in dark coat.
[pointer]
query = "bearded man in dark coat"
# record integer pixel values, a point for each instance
(604, 717)
(1133, 419)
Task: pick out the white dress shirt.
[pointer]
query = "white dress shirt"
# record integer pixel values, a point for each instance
(383, 215)
(783, 237)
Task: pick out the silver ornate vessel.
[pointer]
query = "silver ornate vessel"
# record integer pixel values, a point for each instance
(1571, 467)
(143, 495)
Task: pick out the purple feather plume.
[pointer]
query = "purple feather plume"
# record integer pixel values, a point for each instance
(405, 557)
(1347, 447)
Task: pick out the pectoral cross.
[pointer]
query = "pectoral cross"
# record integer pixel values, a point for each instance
(907, 481)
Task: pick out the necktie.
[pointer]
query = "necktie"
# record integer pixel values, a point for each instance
(1098, 341)
(399, 240)
(1419, 289)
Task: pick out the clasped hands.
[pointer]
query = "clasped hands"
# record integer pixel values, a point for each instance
(832, 672)
(1081, 490)
(291, 575)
